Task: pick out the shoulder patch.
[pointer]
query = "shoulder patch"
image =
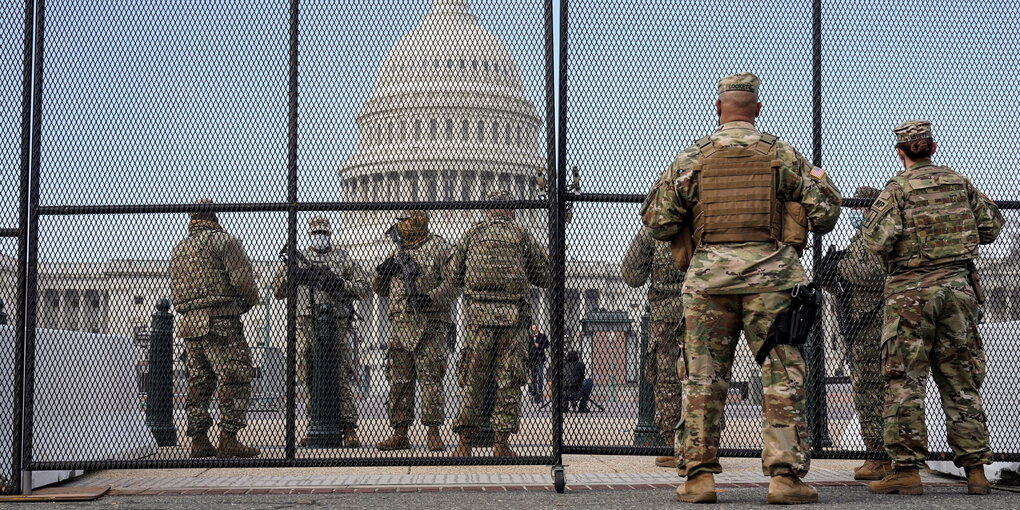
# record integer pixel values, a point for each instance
(817, 173)
(878, 210)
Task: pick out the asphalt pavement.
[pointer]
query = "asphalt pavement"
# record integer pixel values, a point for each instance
(850, 498)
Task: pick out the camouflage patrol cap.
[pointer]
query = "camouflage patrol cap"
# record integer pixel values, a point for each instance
(410, 213)
(319, 224)
(911, 130)
(867, 192)
(740, 82)
(195, 215)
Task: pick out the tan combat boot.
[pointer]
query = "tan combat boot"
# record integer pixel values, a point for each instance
(872, 470)
(667, 460)
(790, 490)
(397, 441)
(699, 488)
(976, 481)
(464, 446)
(902, 481)
(501, 445)
(201, 447)
(231, 447)
(433, 440)
(351, 438)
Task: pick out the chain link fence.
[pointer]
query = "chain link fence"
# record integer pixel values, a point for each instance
(298, 119)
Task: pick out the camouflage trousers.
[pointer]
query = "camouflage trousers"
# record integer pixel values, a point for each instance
(714, 323)
(223, 357)
(934, 327)
(663, 369)
(417, 352)
(501, 351)
(865, 365)
(341, 394)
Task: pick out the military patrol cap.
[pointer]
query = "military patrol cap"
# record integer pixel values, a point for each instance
(195, 215)
(319, 224)
(867, 192)
(740, 82)
(912, 130)
(410, 213)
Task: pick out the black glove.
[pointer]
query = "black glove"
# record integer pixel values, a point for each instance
(302, 276)
(388, 269)
(419, 301)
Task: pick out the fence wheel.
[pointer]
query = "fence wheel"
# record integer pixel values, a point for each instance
(559, 479)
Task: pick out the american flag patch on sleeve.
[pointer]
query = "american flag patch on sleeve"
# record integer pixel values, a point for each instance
(817, 173)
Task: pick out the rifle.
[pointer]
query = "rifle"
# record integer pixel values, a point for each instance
(407, 270)
(314, 275)
(830, 280)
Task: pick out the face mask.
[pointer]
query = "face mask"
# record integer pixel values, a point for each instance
(856, 218)
(320, 241)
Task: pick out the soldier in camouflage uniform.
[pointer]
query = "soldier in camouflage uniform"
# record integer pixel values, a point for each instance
(212, 284)
(355, 287)
(496, 262)
(418, 328)
(750, 198)
(928, 223)
(647, 259)
(864, 271)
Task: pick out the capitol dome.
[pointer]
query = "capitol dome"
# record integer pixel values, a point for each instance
(447, 120)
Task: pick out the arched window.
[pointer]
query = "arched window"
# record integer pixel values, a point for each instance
(480, 133)
(449, 129)
(474, 65)
(495, 132)
(464, 130)
(506, 134)
(519, 135)
(389, 132)
(417, 130)
(403, 130)
(432, 129)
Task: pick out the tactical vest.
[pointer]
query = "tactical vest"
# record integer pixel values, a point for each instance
(737, 193)
(495, 268)
(197, 279)
(938, 224)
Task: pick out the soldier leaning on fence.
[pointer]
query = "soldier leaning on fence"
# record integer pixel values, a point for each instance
(310, 295)
(496, 262)
(212, 284)
(418, 327)
(751, 199)
(649, 259)
(928, 223)
(864, 272)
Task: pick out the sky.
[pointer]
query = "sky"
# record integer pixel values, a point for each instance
(156, 102)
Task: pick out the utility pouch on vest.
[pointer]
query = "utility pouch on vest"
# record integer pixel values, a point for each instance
(794, 324)
(681, 247)
(795, 226)
(487, 313)
(975, 281)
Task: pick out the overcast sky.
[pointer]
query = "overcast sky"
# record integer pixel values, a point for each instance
(163, 102)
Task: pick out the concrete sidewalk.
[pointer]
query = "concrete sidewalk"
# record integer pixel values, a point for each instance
(583, 472)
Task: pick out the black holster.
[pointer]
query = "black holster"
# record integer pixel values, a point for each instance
(793, 326)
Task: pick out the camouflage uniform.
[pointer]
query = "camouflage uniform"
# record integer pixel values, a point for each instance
(647, 258)
(928, 223)
(734, 286)
(212, 284)
(416, 350)
(864, 271)
(356, 288)
(497, 262)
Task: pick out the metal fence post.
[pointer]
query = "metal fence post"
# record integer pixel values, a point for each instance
(159, 387)
(324, 429)
(645, 433)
